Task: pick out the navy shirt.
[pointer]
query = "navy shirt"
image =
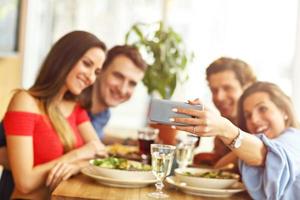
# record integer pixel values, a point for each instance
(2, 136)
(99, 121)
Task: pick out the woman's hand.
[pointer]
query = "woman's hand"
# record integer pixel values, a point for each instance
(91, 149)
(61, 172)
(100, 149)
(205, 122)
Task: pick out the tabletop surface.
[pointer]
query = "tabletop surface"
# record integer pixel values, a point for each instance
(83, 187)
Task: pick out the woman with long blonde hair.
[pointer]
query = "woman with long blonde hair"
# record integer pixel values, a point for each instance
(48, 133)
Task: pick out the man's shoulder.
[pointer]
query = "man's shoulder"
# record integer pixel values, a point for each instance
(100, 115)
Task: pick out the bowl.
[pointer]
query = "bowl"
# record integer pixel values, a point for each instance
(107, 170)
(192, 177)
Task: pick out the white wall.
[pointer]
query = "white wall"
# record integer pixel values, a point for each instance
(252, 30)
(37, 38)
(295, 73)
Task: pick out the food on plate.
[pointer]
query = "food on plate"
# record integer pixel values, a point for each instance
(124, 151)
(206, 178)
(121, 163)
(121, 149)
(218, 174)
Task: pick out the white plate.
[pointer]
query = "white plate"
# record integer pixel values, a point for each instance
(203, 182)
(206, 192)
(122, 174)
(130, 183)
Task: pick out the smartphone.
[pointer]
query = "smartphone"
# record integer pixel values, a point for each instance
(161, 111)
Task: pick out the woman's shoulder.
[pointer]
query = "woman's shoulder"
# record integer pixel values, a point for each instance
(291, 131)
(290, 138)
(23, 101)
(78, 109)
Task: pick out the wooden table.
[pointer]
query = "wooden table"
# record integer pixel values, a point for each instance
(83, 187)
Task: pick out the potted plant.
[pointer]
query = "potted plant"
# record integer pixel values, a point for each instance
(166, 56)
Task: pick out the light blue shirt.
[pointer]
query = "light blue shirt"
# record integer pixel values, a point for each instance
(280, 177)
(99, 121)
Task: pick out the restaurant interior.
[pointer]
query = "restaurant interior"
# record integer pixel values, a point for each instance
(265, 34)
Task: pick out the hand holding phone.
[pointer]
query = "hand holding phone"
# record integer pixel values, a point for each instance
(161, 111)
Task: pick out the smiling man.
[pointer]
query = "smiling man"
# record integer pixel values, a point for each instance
(227, 79)
(121, 72)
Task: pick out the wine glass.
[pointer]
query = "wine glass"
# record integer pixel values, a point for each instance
(185, 150)
(162, 158)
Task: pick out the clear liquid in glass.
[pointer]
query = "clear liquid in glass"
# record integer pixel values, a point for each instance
(162, 159)
(184, 155)
(161, 165)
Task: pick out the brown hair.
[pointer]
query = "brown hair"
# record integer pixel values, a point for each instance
(130, 52)
(62, 57)
(241, 69)
(277, 96)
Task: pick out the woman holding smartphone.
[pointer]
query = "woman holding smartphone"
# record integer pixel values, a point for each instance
(266, 140)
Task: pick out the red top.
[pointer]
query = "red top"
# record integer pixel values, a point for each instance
(46, 143)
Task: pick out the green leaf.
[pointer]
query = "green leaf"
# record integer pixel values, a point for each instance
(167, 57)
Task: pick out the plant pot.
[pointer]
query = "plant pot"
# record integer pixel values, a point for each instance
(166, 134)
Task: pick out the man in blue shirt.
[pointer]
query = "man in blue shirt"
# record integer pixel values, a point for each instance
(123, 68)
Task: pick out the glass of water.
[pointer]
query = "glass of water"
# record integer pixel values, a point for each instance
(162, 158)
(185, 151)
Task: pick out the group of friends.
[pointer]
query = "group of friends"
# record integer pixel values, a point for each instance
(51, 129)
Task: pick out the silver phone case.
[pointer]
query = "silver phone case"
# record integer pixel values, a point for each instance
(161, 111)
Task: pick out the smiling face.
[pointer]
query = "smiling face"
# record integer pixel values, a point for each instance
(118, 81)
(83, 74)
(226, 91)
(263, 116)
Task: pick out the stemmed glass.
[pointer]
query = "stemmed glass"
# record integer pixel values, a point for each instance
(185, 151)
(162, 158)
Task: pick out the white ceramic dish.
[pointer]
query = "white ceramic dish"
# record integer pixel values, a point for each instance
(205, 192)
(195, 181)
(131, 182)
(122, 174)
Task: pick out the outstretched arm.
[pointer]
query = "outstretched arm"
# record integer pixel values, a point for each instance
(209, 123)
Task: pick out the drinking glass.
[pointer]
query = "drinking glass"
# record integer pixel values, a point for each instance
(146, 137)
(185, 150)
(162, 158)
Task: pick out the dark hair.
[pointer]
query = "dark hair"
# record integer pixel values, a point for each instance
(241, 69)
(62, 57)
(277, 96)
(131, 52)
(60, 61)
